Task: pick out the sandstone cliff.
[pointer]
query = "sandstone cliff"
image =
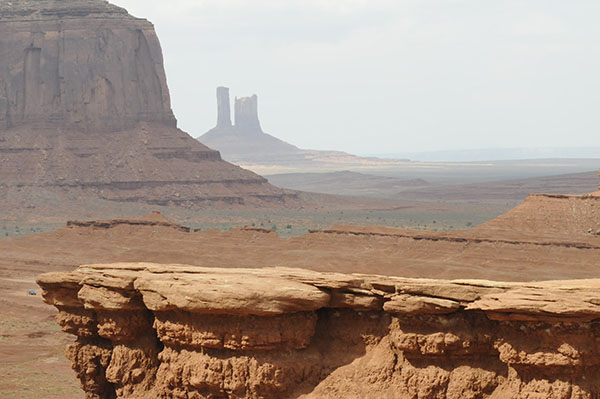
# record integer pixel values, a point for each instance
(85, 108)
(173, 331)
(85, 63)
(246, 114)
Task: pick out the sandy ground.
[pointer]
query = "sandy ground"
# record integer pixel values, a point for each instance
(32, 346)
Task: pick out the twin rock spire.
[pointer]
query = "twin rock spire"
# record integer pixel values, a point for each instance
(245, 111)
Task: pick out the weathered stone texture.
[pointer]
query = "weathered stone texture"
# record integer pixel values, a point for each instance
(87, 65)
(292, 333)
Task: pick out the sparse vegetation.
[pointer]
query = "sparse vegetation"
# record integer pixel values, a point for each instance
(299, 222)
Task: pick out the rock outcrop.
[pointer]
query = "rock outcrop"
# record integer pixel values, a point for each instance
(174, 331)
(85, 108)
(155, 219)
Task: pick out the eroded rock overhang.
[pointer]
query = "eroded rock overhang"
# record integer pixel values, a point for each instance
(148, 330)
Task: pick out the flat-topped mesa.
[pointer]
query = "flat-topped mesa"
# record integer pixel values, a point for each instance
(83, 64)
(246, 115)
(44, 9)
(223, 108)
(146, 331)
(85, 112)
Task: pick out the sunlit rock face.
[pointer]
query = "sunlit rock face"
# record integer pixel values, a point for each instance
(173, 331)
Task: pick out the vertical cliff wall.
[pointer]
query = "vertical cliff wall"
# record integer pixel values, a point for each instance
(85, 64)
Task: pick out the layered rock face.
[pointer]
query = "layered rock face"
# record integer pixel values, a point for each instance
(173, 331)
(84, 105)
(85, 64)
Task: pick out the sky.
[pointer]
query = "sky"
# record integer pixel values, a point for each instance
(389, 76)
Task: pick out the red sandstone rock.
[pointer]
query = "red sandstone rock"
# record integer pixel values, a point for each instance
(150, 331)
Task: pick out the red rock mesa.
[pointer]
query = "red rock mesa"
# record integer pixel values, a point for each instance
(84, 107)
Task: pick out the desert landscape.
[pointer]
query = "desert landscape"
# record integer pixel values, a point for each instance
(345, 266)
(139, 262)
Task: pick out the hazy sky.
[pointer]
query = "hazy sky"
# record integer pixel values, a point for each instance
(379, 76)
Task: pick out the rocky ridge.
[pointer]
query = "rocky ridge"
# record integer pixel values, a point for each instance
(156, 331)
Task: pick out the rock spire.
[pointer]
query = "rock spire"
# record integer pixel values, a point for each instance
(223, 108)
(245, 139)
(246, 114)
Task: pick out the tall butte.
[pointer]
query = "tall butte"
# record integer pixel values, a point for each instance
(245, 141)
(85, 108)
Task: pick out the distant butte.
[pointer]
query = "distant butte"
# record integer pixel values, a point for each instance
(245, 143)
(244, 140)
(85, 109)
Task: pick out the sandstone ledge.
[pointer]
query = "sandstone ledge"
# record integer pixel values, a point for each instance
(152, 331)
